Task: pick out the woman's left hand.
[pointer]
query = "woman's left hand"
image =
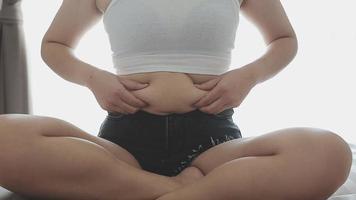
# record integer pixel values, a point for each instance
(226, 91)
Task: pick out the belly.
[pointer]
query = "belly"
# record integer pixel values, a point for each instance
(169, 92)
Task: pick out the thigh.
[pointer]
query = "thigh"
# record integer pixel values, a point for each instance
(264, 145)
(24, 126)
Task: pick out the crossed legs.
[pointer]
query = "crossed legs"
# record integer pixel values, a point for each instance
(294, 163)
(48, 157)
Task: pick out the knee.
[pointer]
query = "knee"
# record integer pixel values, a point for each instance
(15, 134)
(331, 151)
(4, 119)
(337, 154)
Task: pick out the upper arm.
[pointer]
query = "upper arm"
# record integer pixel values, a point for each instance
(72, 20)
(269, 17)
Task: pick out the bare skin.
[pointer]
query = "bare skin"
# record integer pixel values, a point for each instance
(68, 163)
(295, 163)
(302, 163)
(189, 176)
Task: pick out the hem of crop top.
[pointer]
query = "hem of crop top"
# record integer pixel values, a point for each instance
(199, 62)
(171, 68)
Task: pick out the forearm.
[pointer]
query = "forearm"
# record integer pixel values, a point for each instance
(278, 55)
(62, 61)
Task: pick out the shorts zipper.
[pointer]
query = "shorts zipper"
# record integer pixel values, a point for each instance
(167, 134)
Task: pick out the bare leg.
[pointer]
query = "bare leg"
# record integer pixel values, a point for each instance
(189, 176)
(311, 168)
(36, 164)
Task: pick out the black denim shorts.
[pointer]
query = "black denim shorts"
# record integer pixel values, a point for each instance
(167, 144)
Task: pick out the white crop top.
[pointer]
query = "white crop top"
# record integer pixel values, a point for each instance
(189, 36)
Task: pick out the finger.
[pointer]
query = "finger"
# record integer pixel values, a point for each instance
(208, 98)
(124, 107)
(128, 108)
(116, 108)
(133, 85)
(208, 85)
(215, 107)
(131, 99)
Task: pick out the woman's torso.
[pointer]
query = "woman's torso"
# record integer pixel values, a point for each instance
(168, 92)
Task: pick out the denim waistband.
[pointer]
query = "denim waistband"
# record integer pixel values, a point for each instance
(225, 113)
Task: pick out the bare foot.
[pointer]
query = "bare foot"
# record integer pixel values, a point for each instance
(188, 176)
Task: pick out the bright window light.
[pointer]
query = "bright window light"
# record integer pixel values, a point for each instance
(316, 90)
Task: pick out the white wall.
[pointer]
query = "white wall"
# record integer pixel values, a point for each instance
(317, 89)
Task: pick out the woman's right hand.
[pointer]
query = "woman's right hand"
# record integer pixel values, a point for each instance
(112, 95)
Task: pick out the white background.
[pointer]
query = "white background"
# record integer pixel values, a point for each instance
(317, 89)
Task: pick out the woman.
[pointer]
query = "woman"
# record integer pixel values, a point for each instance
(169, 132)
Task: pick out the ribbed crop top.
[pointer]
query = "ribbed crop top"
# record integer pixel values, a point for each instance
(189, 36)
